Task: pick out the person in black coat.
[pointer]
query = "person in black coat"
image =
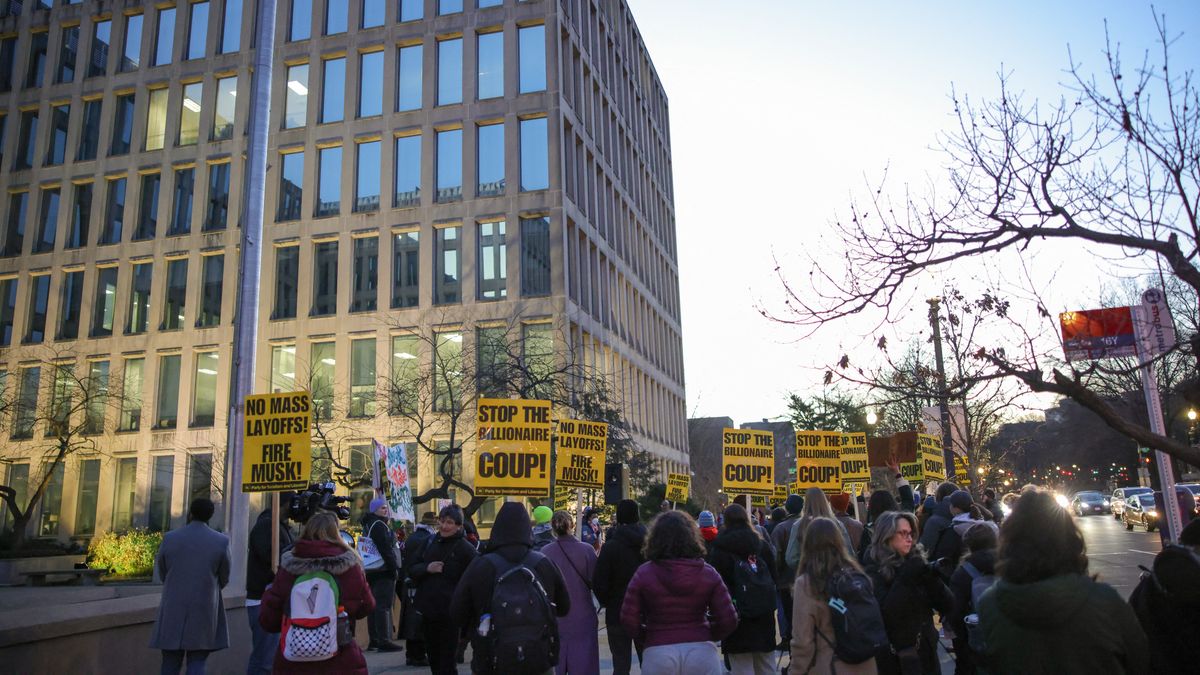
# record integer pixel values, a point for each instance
(382, 580)
(259, 574)
(938, 537)
(908, 591)
(413, 549)
(619, 558)
(754, 637)
(1167, 605)
(511, 540)
(441, 566)
(980, 542)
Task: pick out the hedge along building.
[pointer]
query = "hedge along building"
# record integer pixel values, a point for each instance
(435, 169)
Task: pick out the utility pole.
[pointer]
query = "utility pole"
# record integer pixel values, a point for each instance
(943, 397)
(245, 317)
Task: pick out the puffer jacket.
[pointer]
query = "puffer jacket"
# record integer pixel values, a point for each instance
(353, 594)
(677, 601)
(1065, 625)
(752, 634)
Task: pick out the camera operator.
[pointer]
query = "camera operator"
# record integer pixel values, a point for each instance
(259, 574)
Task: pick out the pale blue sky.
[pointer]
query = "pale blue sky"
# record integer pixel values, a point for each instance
(780, 109)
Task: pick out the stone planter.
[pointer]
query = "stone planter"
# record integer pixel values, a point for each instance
(12, 570)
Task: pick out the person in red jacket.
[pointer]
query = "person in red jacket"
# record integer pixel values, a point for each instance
(676, 603)
(319, 549)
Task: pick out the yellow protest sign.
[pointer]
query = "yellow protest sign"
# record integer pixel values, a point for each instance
(856, 472)
(933, 463)
(780, 495)
(962, 473)
(563, 498)
(277, 442)
(581, 449)
(748, 466)
(678, 487)
(818, 460)
(513, 456)
(758, 501)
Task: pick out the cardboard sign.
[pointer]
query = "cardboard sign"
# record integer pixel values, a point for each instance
(818, 460)
(933, 463)
(277, 442)
(855, 468)
(513, 454)
(679, 485)
(748, 466)
(581, 449)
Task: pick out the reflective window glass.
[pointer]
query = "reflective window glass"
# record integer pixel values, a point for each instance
(105, 305)
(181, 210)
(531, 44)
(329, 181)
(333, 90)
(366, 186)
(408, 171)
(132, 56)
(365, 290)
(287, 272)
(197, 30)
(101, 44)
(490, 81)
(231, 27)
(448, 273)
(212, 280)
(175, 299)
(164, 43)
(408, 76)
(406, 269)
(449, 165)
(370, 84)
(131, 396)
(450, 67)
(217, 211)
(156, 120)
(226, 108)
(291, 190)
(189, 114)
(490, 160)
(535, 155)
(325, 278)
(302, 13)
(296, 104)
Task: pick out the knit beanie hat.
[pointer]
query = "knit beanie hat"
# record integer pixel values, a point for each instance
(376, 503)
(627, 512)
(961, 500)
(794, 504)
(706, 519)
(542, 515)
(840, 501)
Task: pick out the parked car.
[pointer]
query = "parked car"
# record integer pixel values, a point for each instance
(1088, 502)
(1139, 510)
(1117, 503)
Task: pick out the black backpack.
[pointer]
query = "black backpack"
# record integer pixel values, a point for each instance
(523, 636)
(753, 589)
(858, 632)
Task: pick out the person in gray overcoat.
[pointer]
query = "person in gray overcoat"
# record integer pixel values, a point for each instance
(193, 563)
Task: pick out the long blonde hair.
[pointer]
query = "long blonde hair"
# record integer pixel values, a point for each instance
(323, 527)
(822, 553)
(816, 504)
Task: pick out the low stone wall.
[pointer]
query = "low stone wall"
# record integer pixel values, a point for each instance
(12, 571)
(103, 635)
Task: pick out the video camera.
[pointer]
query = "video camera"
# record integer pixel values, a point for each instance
(317, 497)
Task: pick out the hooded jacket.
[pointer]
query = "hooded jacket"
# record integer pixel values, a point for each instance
(677, 601)
(353, 594)
(1167, 604)
(961, 584)
(1062, 625)
(734, 544)
(434, 590)
(619, 559)
(511, 540)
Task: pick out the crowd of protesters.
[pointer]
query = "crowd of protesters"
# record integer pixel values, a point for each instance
(826, 584)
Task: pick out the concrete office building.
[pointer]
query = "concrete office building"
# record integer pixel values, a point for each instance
(436, 168)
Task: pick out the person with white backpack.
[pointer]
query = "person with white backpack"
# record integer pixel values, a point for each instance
(319, 589)
(381, 561)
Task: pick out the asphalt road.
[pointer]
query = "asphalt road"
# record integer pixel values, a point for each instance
(1115, 554)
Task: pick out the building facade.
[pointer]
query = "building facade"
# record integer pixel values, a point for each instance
(436, 168)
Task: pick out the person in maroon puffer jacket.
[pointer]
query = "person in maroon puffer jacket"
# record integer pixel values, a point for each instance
(676, 603)
(320, 548)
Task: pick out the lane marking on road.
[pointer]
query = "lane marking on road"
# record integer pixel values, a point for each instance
(1146, 552)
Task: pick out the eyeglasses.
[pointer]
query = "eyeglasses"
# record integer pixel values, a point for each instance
(907, 534)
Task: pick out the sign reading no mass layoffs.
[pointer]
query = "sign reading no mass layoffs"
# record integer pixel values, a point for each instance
(581, 449)
(513, 456)
(277, 442)
(818, 460)
(678, 486)
(748, 466)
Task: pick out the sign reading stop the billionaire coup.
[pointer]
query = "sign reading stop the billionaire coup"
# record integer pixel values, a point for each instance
(277, 442)
(513, 455)
(933, 463)
(678, 486)
(581, 449)
(855, 469)
(748, 466)
(818, 460)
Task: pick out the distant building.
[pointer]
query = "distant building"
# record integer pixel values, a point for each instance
(704, 446)
(785, 448)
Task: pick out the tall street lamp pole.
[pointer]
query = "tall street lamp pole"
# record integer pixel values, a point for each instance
(943, 396)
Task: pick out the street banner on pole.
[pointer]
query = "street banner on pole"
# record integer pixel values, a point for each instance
(1098, 333)
(855, 470)
(748, 466)
(818, 460)
(678, 487)
(933, 463)
(277, 442)
(513, 454)
(581, 449)
(395, 483)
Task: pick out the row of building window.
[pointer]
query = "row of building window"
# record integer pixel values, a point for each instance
(491, 256)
